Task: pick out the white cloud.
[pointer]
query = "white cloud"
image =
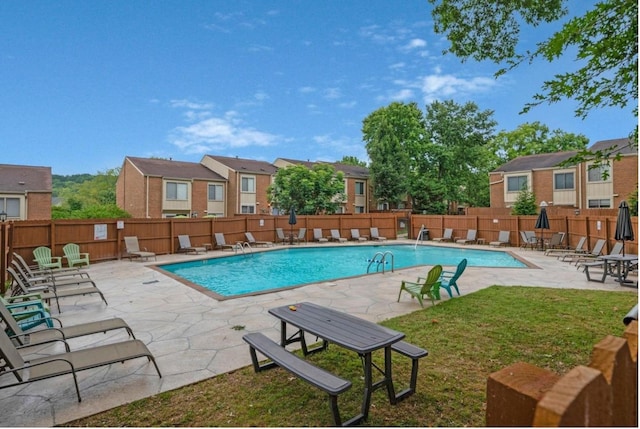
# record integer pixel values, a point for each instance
(219, 134)
(307, 89)
(348, 105)
(193, 105)
(438, 86)
(402, 95)
(332, 93)
(415, 44)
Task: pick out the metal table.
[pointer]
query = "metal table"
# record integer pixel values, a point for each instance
(622, 264)
(345, 330)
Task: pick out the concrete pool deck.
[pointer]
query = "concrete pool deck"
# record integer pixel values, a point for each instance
(195, 337)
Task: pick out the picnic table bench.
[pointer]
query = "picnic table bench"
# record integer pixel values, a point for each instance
(318, 377)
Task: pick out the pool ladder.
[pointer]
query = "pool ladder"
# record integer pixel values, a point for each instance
(381, 261)
(241, 246)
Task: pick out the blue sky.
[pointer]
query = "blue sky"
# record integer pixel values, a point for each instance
(85, 83)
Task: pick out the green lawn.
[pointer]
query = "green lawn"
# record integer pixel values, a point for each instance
(468, 338)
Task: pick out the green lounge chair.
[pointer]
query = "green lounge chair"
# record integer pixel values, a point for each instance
(430, 287)
(74, 256)
(449, 279)
(42, 255)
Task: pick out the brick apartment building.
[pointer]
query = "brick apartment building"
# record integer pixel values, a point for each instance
(25, 192)
(574, 186)
(156, 188)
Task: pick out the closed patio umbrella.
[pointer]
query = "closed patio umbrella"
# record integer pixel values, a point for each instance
(542, 223)
(624, 229)
(292, 221)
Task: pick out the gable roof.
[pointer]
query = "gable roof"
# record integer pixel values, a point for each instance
(173, 169)
(533, 162)
(624, 146)
(245, 165)
(348, 169)
(21, 178)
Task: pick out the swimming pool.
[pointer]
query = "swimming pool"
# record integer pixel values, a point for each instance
(295, 266)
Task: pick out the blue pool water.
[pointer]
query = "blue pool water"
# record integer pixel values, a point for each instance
(261, 271)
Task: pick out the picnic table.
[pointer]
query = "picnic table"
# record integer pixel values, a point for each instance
(618, 266)
(350, 332)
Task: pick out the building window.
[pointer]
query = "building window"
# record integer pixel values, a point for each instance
(177, 191)
(604, 203)
(358, 209)
(595, 174)
(383, 206)
(215, 193)
(11, 206)
(516, 183)
(247, 209)
(563, 181)
(248, 185)
(359, 188)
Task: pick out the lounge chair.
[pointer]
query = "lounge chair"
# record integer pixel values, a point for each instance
(446, 236)
(133, 249)
(579, 249)
(503, 239)
(281, 237)
(528, 239)
(355, 235)
(27, 371)
(302, 236)
(582, 256)
(185, 245)
(221, 243)
(73, 255)
(252, 241)
(27, 338)
(48, 291)
(555, 242)
(471, 237)
(449, 279)
(34, 271)
(28, 314)
(42, 282)
(44, 259)
(375, 235)
(335, 236)
(317, 235)
(595, 260)
(429, 286)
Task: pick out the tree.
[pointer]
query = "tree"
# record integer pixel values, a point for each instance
(604, 39)
(309, 191)
(390, 133)
(532, 139)
(352, 160)
(525, 204)
(453, 163)
(88, 197)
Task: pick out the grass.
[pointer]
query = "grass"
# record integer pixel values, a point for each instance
(468, 338)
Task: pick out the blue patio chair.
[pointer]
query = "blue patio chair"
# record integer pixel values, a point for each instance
(449, 279)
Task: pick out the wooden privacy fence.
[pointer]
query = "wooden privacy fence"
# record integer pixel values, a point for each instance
(604, 393)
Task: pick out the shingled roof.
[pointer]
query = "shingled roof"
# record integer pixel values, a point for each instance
(624, 146)
(173, 169)
(535, 162)
(21, 178)
(246, 165)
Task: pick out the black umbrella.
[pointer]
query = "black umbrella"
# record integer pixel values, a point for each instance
(624, 229)
(292, 221)
(542, 223)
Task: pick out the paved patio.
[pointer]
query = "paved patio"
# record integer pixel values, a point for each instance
(194, 337)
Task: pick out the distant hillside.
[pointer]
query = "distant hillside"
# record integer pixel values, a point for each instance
(61, 182)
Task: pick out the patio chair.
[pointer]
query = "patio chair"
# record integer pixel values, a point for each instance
(446, 236)
(133, 249)
(583, 259)
(25, 337)
(73, 255)
(528, 239)
(44, 259)
(317, 235)
(503, 239)
(579, 249)
(221, 243)
(555, 242)
(27, 371)
(581, 256)
(281, 237)
(302, 236)
(45, 281)
(186, 247)
(34, 271)
(449, 279)
(375, 235)
(252, 241)
(28, 314)
(355, 235)
(48, 291)
(335, 236)
(471, 237)
(429, 286)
